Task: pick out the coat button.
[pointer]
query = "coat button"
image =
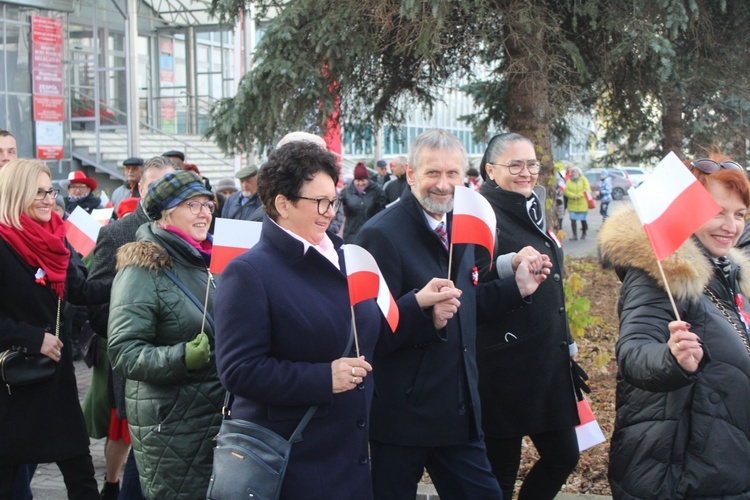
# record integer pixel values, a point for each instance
(714, 398)
(561, 311)
(361, 386)
(363, 460)
(556, 277)
(564, 345)
(546, 244)
(360, 423)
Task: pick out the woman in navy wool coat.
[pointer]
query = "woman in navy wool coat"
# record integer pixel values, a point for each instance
(283, 323)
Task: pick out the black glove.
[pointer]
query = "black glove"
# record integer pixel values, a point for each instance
(579, 380)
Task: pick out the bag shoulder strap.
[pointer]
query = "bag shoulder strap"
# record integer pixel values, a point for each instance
(191, 296)
(297, 434)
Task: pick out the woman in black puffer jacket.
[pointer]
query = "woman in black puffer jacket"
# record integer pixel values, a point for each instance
(361, 200)
(683, 387)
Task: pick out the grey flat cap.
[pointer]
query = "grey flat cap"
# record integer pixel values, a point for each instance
(249, 171)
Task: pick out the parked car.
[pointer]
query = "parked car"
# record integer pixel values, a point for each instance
(637, 175)
(620, 184)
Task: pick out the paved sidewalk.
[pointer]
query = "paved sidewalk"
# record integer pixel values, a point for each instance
(587, 247)
(48, 483)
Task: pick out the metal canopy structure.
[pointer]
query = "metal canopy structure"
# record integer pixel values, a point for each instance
(182, 13)
(173, 13)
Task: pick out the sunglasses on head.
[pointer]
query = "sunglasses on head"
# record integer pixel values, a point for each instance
(708, 166)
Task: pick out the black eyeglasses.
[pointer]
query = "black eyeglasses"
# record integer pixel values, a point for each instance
(195, 206)
(42, 194)
(708, 166)
(515, 167)
(323, 204)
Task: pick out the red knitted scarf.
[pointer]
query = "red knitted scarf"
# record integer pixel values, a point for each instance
(41, 244)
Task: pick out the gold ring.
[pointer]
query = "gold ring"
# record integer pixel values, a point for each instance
(354, 380)
(353, 372)
(678, 345)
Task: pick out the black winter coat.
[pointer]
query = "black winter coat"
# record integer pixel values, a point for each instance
(427, 392)
(88, 203)
(41, 423)
(394, 188)
(359, 208)
(523, 356)
(677, 435)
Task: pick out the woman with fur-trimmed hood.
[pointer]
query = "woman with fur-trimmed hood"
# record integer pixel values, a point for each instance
(159, 343)
(683, 387)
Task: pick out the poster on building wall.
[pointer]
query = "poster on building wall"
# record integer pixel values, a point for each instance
(47, 76)
(49, 140)
(166, 81)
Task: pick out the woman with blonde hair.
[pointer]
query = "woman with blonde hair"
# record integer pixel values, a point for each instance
(40, 422)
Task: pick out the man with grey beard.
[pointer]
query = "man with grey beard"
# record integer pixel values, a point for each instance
(426, 411)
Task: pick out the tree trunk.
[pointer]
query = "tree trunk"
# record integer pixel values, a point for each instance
(528, 92)
(671, 124)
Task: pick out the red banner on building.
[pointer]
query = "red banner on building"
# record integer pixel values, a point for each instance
(48, 85)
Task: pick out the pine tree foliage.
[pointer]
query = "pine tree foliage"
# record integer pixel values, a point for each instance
(658, 73)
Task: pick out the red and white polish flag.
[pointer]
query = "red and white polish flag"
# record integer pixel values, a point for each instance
(231, 238)
(671, 205)
(588, 432)
(82, 231)
(103, 215)
(473, 219)
(366, 282)
(106, 202)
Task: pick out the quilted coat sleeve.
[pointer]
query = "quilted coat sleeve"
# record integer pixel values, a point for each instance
(643, 357)
(136, 348)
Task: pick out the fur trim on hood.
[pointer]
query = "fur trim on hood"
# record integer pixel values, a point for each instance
(143, 254)
(623, 243)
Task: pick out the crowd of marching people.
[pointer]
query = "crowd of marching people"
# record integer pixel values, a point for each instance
(481, 354)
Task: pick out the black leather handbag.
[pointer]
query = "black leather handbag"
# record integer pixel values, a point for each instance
(18, 368)
(249, 460)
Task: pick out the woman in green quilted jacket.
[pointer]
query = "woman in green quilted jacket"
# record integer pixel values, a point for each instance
(160, 343)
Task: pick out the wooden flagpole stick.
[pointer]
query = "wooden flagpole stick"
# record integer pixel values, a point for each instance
(450, 260)
(669, 292)
(354, 328)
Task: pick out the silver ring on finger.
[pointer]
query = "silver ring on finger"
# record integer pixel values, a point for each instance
(678, 345)
(353, 372)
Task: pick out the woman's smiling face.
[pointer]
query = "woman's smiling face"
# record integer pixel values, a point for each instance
(723, 230)
(41, 210)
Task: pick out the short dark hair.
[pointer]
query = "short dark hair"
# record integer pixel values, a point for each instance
(288, 168)
(5, 133)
